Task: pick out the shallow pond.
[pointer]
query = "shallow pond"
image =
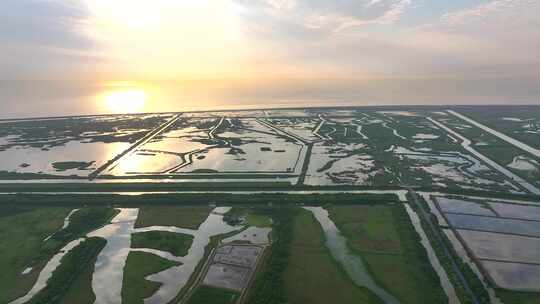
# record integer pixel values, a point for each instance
(493, 224)
(461, 206)
(36, 160)
(504, 247)
(515, 276)
(516, 211)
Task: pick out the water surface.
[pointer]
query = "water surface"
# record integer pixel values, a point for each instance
(352, 264)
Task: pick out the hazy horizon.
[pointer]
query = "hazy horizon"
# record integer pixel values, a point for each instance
(100, 56)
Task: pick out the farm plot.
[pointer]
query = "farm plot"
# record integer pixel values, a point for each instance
(70, 147)
(502, 238)
(215, 146)
(170, 149)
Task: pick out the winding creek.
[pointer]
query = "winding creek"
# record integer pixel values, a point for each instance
(352, 264)
(47, 272)
(176, 278)
(66, 223)
(109, 267)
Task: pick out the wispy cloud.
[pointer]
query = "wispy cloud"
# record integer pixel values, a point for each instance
(325, 16)
(498, 13)
(42, 38)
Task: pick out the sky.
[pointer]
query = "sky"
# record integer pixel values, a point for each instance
(94, 56)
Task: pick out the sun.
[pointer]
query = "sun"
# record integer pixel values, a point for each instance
(125, 101)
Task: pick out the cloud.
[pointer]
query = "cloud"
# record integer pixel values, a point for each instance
(323, 16)
(37, 35)
(500, 38)
(43, 23)
(499, 14)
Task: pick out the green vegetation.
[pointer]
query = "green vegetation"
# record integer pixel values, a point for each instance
(247, 216)
(268, 286)
(496, 149)
(33, 225)
(72, 265)
(22, 230)
(63, 166)
(492, 118)
(385, 238)
(175, 243)
(81, 222)
(312, 276)
(81, 291)
(139, 265)
(206, 295)
(258, 220)
(184, 217)
(516, 297)
(152, 201)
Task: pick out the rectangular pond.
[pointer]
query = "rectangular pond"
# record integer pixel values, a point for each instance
(462, 206)
(514, 276)
(493, 224)
(504, 247)
(516, 211)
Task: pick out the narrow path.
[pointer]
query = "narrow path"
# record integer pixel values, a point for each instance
(438, 238)
(508, 139)
(305, 165)
(319, 126)
(139, 143)
(214, 129)
(466, 144)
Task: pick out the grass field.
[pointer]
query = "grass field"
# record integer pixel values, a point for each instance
(206, 295)
(258, 220)
(81, 290)
(175, 243)
(74, 264)
(387, 242)
(184, 217)
(139, 265)
(514, 297)
(22, 231)
(312, 276)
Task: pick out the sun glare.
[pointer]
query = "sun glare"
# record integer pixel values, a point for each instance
(127, 101)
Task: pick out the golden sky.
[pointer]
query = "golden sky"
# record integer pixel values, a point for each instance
(270, 51)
